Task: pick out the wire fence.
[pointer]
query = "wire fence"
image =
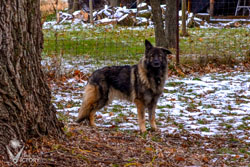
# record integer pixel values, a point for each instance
(102, 45)
(111, 43)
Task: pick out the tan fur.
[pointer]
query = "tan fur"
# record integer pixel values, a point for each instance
(132, 81)
(141, 115)
(152, 118)
(89, 99)
(143, 73)
(116, 94)
(92, 118)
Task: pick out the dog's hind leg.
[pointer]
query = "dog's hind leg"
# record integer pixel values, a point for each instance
(94, 99)
(89, 104)
(141, 115)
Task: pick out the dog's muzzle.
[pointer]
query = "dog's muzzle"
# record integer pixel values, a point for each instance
(156, 64)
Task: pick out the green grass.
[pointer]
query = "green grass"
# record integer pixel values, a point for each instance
(165, 106)
(243, 126)
(201, 121)
(126, 46)
(204, 129)
(213, 41)
(173, 84)
(50, 17)
(246, 118)
(227, 126)
(196, 79)
(179, 125)
(225, 151)
(244, 151)
(99, 43)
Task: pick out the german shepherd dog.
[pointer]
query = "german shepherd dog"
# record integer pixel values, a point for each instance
(141, 83)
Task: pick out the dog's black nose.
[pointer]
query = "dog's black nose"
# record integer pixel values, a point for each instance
(156, 64)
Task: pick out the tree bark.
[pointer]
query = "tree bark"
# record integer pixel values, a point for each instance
(75, 5)
(160, 38)
(184, 20)
(70, 4)
(26, 110)
(115, 3)
(138, 2)
(170, 23)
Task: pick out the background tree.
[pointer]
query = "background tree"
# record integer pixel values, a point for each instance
(115, 2)
(138, 2)
(184, 18)
(76, 6)
(165, 38)
(26, 110)
(170, 23)
(160, 39)
(84, 4)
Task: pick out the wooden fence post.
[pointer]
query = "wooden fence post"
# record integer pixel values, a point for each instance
(91, 11)
(177, 34)
(211, 8)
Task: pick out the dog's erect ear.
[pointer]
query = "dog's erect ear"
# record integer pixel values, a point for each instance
(148, 45)
(167, 52)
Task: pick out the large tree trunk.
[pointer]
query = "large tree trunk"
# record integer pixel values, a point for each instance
(25, 100)
(160, 38)
(170, 23)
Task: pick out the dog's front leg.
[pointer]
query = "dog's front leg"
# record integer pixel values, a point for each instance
(151, 114)
(141, 115)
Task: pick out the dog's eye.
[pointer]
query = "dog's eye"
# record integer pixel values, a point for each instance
(160, 57)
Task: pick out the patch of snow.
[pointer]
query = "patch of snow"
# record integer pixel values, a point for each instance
(123, 17)
(214, 104)
(77, 12)
(106, 20)
(118, 14)
(141, 20)
(142, 5)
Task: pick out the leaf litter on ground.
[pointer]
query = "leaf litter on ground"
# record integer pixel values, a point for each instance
(202, 120)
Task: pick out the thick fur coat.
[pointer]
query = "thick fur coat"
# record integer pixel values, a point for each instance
(141, 84)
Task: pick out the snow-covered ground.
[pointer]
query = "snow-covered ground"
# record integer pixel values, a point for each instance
(213, 104)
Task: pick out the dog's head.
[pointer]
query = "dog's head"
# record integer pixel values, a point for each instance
(156, 57)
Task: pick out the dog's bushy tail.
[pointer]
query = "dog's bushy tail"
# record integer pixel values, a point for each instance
(89, 102)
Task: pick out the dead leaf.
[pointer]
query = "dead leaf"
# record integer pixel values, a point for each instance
(205, 159)
(237, 156)
(98, 116)
(150, 149)
(63, 79)
(178, 158)
(69, 105)
(77, 72)
(77, 78)
(160, 155)
(180, 72)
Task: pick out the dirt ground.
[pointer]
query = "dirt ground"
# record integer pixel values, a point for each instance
(86, 146)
